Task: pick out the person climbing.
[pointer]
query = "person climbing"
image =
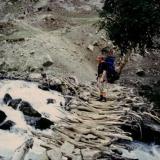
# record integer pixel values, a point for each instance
(101, 76)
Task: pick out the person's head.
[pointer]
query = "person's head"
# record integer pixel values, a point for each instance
(100, 58)
(107, 51)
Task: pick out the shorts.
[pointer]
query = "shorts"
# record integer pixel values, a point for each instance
(102, 86)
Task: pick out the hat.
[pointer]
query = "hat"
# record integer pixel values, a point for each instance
(106, 49)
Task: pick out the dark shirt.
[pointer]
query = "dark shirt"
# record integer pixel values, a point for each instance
(102, 67)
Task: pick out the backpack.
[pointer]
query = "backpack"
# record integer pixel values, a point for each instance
(112, 74)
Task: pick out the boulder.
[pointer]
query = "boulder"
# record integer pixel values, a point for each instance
(54, 154)
(43, 123)
(7, 125)
(7, 98)
(28, 110)
(2, 116)
(90, 154)
(14, 103)
(67, 148)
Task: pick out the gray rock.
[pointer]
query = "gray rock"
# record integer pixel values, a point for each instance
(77, 154)
(67, 148)
(90, 154)
(54, 154)
(90, 48)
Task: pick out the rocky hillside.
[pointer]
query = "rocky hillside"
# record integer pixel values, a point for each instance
(52, 36)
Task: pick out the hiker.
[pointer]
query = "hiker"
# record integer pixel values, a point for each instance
(101, 76)
(107, 72)
(112, 72)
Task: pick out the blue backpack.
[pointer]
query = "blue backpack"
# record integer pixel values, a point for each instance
(112, 75)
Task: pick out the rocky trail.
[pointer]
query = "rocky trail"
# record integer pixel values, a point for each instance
(95, 129)
(90, 129)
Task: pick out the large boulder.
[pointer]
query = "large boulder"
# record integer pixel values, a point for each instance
(28, 110)
(43, 123)
(7, 98)
(2, 116)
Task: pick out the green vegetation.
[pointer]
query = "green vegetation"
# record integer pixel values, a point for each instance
(131, 23)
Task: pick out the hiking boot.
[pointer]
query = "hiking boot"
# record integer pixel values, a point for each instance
(104, 99)
(100, 98)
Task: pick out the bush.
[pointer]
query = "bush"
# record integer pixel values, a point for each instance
(131, 23)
